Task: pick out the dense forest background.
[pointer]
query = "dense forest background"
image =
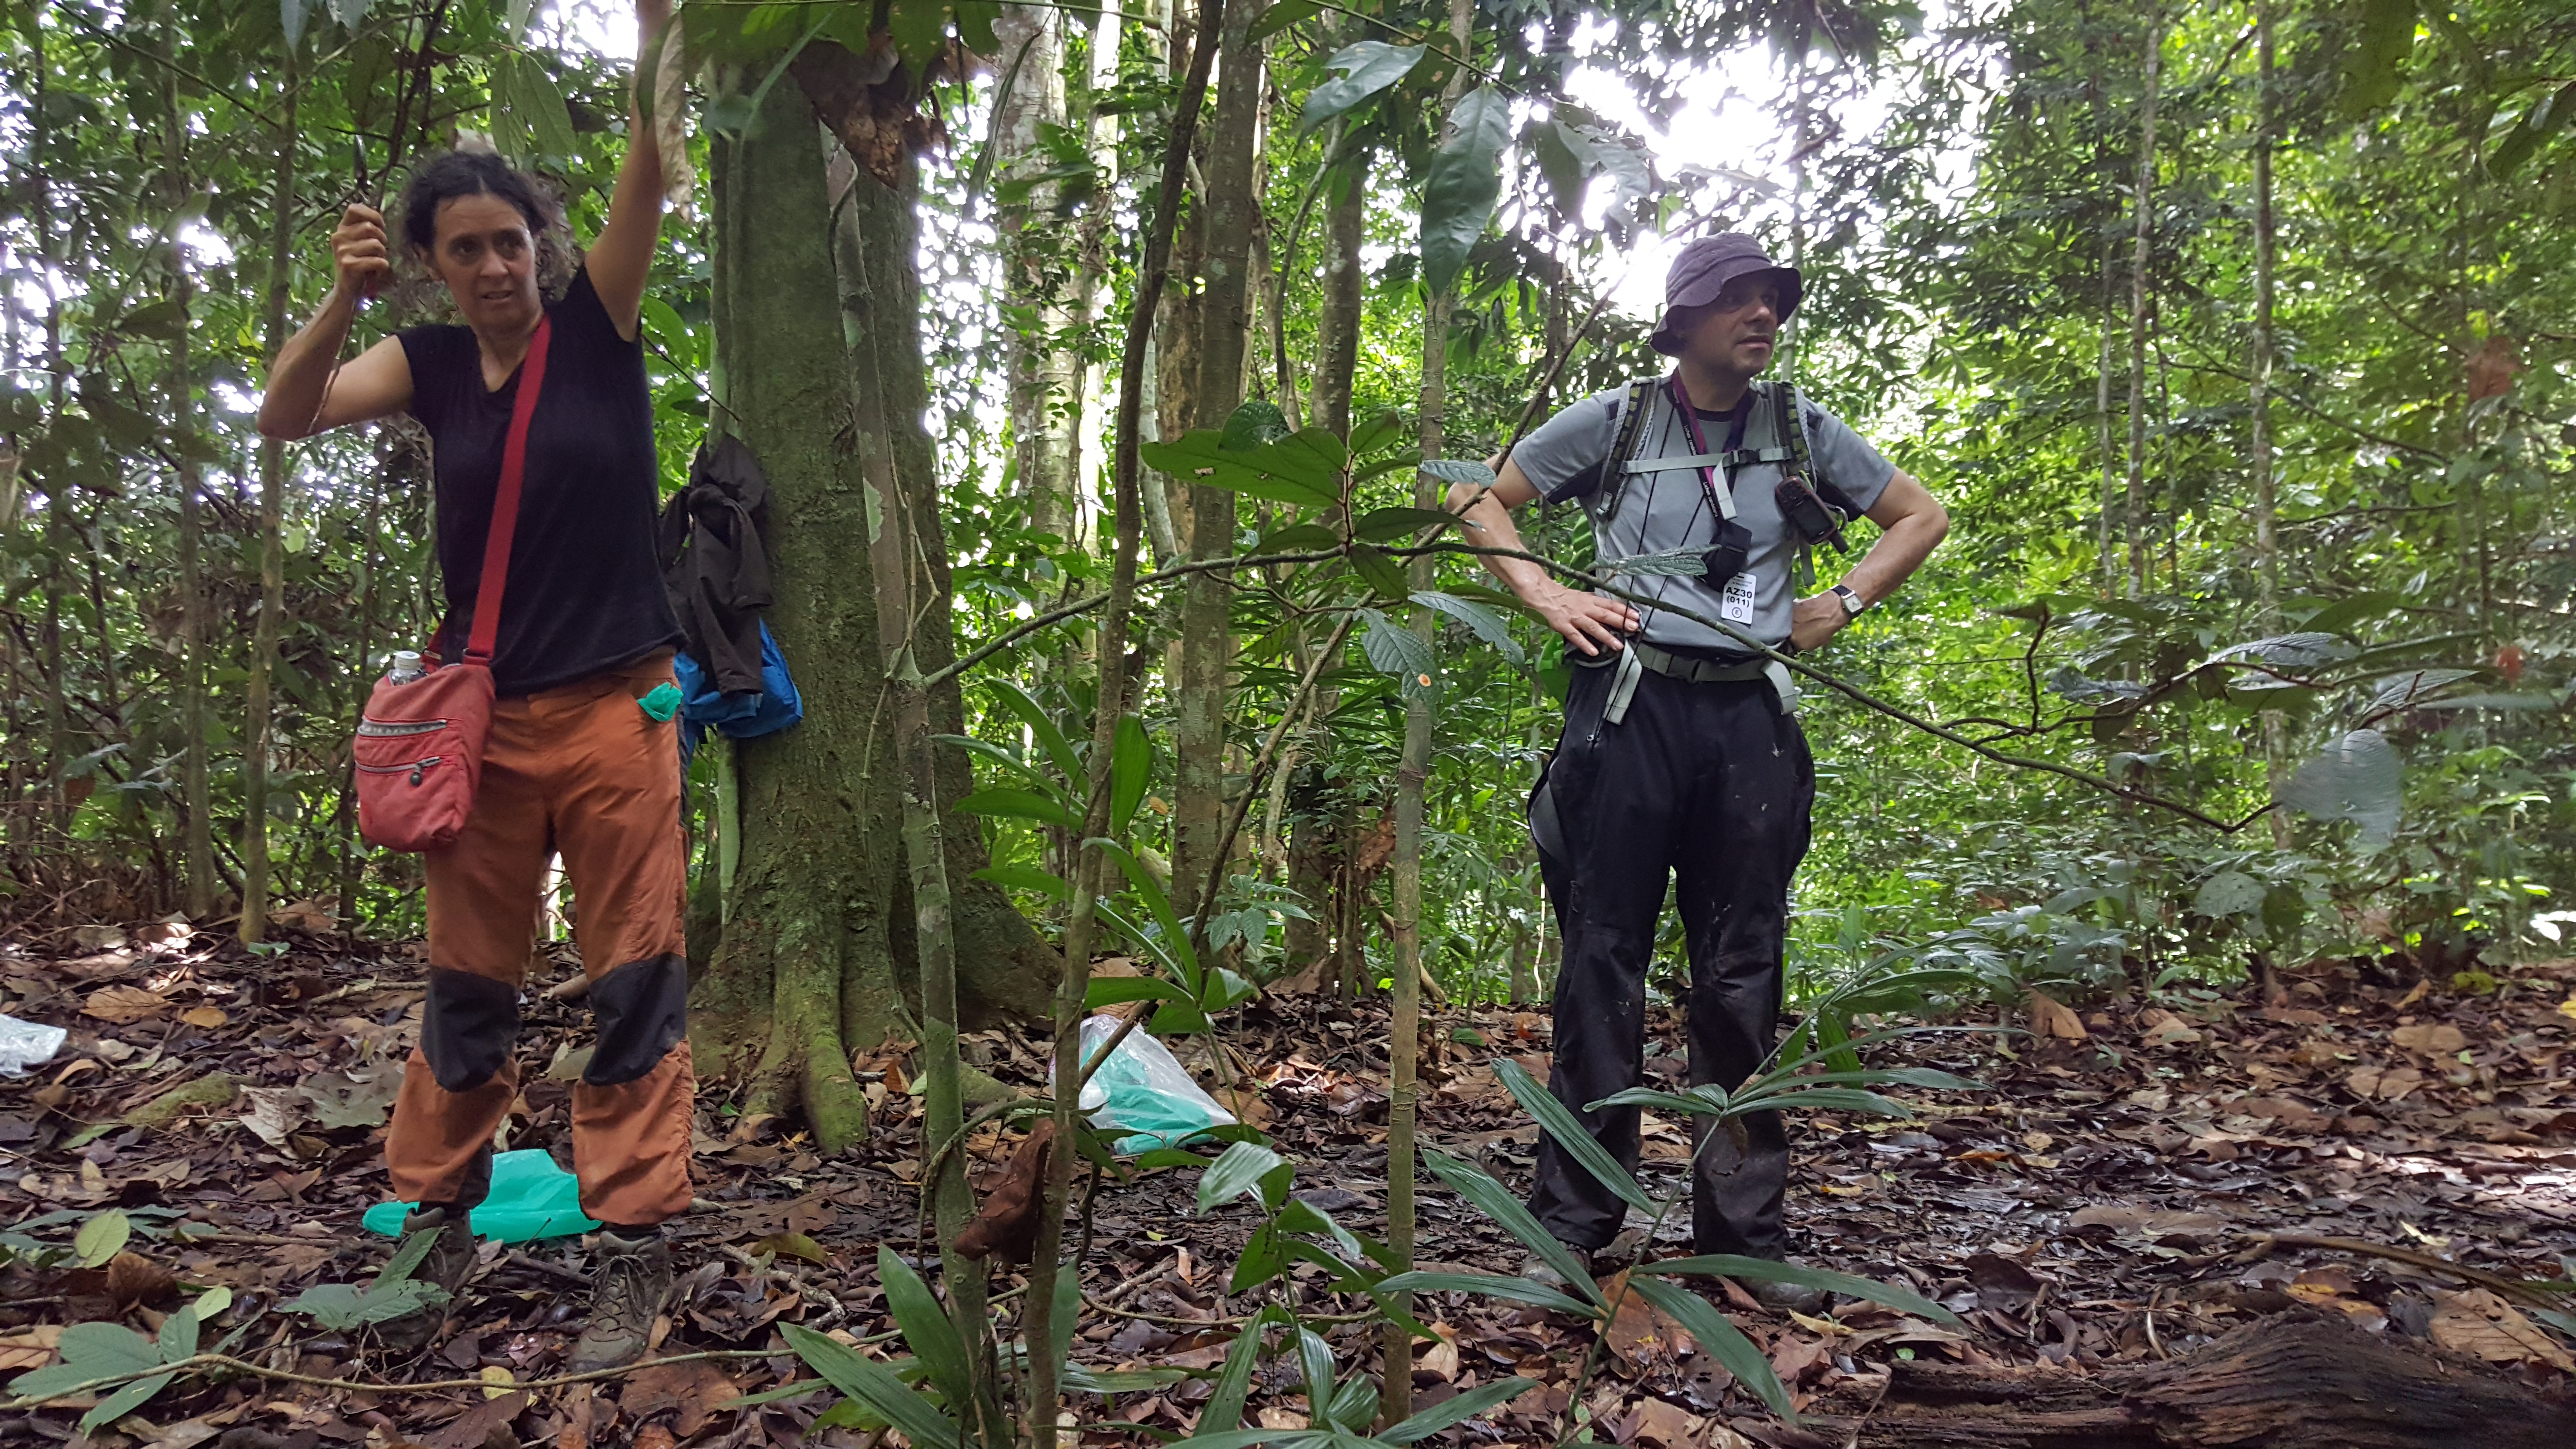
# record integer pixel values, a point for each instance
(2233, 336)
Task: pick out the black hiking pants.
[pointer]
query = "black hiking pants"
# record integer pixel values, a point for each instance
(1712, 784)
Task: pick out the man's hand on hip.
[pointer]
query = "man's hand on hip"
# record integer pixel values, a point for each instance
(1589, 622)
(1815, 620)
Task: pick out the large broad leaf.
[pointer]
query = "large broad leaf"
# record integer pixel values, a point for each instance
(2371, 73)
(926, 1329)
(530, 116)
(1278, 18)
(1464, 181)
(2228, 893)
(1397, 650)
(1456, 1410)
(1483, 622)
(1719, 1338)
(1304, 469)
(1246, 1168)
(1459, 470)
(1360, 71)
(1008, 802)
(1686, 562)
(1497, 1202)
(1131, 768)
(1564, 162)
(89, 1351)
(1768, 1270)
(1224, 1411)
(2524, 135)
(1570, 1137)
(872, 1384)
(2357, 778)
(1042, 726)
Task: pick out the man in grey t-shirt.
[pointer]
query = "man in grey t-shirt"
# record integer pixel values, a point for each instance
(1681, 754)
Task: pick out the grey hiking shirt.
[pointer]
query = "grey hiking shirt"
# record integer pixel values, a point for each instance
(1567, 457)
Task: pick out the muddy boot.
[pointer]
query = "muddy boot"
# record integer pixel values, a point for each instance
(627, 1291)
(449, 1260)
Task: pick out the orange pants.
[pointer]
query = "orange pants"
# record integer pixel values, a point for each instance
(583, 770)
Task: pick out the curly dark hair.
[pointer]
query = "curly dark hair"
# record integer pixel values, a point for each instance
(454, 174)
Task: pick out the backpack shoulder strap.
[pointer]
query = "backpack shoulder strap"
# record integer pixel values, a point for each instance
(1625, 443)
(1789, 430)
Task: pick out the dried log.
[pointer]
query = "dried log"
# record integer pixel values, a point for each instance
(2286, 1383)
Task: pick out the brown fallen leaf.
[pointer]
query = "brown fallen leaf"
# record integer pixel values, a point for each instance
(123, 1004)
(1796, 1358)
(1278, 1418)
(1441, 1358)
(2475, 1321)
(1655, 1422)
(134, 1278)
(2166, 1029)
(2430, 1038)
(1007, 1225)
(791, 1245)
(2050, 1017)
(693, 1389)
(312, 917)
(29, 1347)
(1641, 1334)
(205, 1018)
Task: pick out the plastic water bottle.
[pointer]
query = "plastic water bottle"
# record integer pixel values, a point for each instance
(405, 668)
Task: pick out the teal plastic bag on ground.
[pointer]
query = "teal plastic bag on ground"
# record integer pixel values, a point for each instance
(531, 1198)
(1144, 1091)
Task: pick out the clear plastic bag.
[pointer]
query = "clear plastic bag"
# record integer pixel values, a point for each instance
(1144, 1091)
(24, 1044)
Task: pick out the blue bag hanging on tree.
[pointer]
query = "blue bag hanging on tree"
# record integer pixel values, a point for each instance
(740, 716)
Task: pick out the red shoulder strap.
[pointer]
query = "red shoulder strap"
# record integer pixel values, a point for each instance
(505, 503)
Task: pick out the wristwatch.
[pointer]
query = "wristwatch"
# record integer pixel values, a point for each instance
(1853, 603)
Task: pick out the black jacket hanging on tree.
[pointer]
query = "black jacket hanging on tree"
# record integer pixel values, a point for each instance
(714, 564)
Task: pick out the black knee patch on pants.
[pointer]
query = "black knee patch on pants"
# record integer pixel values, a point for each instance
(468, 1029)
(643, 1010)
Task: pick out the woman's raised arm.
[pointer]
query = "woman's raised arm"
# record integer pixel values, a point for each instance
(622, 256)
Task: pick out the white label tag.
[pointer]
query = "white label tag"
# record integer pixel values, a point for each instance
(1735, 606)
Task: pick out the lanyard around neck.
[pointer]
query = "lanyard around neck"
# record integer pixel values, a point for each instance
(1720, 504)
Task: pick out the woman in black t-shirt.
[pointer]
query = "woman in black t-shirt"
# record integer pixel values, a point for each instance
(583, 756)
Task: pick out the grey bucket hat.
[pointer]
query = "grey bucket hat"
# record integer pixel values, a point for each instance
(1704, 269)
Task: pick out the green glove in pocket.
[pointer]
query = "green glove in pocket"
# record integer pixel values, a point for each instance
(662, 702)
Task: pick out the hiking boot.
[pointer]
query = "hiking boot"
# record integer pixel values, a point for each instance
(449, 1262)
(627, 1291)
(1537, 1269)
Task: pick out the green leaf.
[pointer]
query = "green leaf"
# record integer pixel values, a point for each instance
(1298, 538)
(1131, 769)
(1462, 184)
(1383, 575)
(1769, 1270)
(1483, 622)
(2371, 74)
(123, 1402)
(1457, 1410)
(290, 18)
(1241, 1171)
(1273, 20)
(102, 1237)
(1112, 990)
(178, 1338)
(1497, 1202)
(1361, 71)
(1028, 878)
(2357, 778)
(1491, 1285)
(1564, 162)
(1175, 944)
(1381, 429)
(1315, 1356)
(1389, 525)
(1396, 650)
(1688, 561)
(926, 1329)
(1224, 1411)
(1719, 1338)
(2228, 893)
(1256, 423)
(1459, 470)
(1007, 802)
(529, 117)
(2547, 116)
(89, 1351)
(1042, 727)
(1571, 1139)
(1304, 469)
(874, 1385)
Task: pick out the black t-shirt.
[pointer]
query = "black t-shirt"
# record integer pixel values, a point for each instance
(585, 587)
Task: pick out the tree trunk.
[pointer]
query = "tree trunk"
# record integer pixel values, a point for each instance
(1207, 636)
(2144, 202)
(1412, 774)
(805, 972)
(272, 542)
(197, 851)
(2312, 1384)
(1337, 324)
(1043, 374)
(902, 587)
(2267, 545)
